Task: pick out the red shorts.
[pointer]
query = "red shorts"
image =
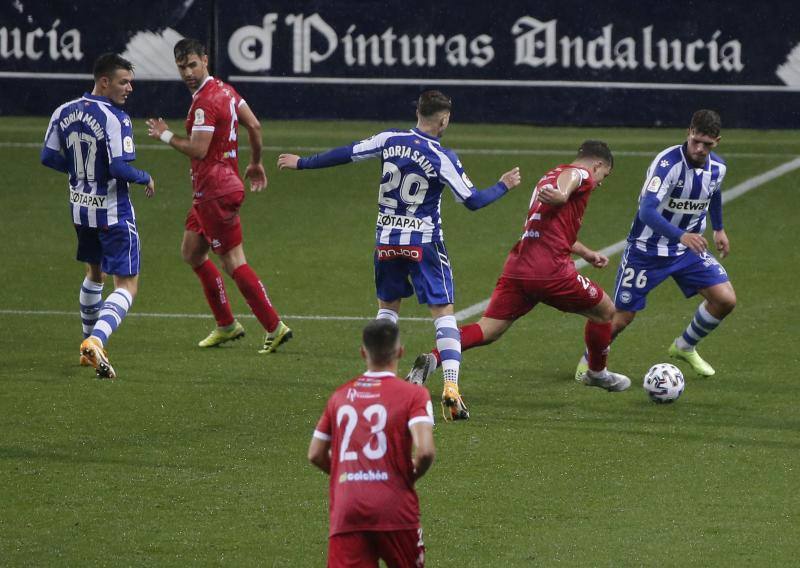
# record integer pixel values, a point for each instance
(218, 221)
(513, 298)
(398, 549)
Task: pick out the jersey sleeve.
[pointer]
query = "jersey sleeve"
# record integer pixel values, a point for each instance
(126, 133)
(421, 408)
(371, 147)
(354, 152)
(51, 139)
(661, 176)
(204, 117)
(324, 429)
(584, 186)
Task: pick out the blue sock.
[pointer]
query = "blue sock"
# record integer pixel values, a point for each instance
(114, 310)
(448, 342)
(91, 300)
(701, 325)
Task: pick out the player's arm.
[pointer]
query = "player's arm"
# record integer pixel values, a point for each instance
(715, 212)
(652, 217)
(355, 152)
(452, 173)
(422, 435)
(567, 182)
(254, 173)
(51, 155)
(196, 146)
(593, 257)
(319, 451)
(54, 159)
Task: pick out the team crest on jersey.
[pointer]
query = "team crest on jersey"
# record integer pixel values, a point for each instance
(199, 117)
(127, 144)
(655, 184)
(625, 297)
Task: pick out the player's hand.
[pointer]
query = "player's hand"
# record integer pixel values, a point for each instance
(694, 242)
(257, 177)
(596, 259)
(722, 243)
(288, 161)
(150, 188)
(512, 178)
(550, 195)
(155, 126)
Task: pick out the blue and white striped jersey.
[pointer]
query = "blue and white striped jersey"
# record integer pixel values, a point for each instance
(91, 132)
(684, 194)
(416, 168)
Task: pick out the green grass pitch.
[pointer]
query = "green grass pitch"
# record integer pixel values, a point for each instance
(197, 457)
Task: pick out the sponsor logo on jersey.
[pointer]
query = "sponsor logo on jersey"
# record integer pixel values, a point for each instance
(389, 252)
(199, 117)
(369, 475)
(530, 235)
(390, 221)
(686, 205)
(654, 184)
(87, 199)
(353, 394)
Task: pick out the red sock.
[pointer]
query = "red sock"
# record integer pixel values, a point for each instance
(256, 295)
(214, 289)
(471, 336)
(598, 339)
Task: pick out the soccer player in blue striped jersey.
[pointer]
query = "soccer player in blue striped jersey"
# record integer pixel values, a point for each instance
(682, 188)
(91, 140)
(410, 255)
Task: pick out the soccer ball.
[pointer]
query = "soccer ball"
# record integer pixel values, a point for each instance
(664, 383)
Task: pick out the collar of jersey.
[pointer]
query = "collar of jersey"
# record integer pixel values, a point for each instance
(705, 167)
(97, 98)
(203, 84)
(377, 374)
(426, 136)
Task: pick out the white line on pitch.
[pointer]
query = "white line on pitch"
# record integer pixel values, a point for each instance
(464, 151)
(288, 318)
(729, 195)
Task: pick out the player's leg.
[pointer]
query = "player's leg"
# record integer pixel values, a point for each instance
(389, 310)
(619, 322)
(194, 250)
(352, 550)
(597, 335)
(704, 275)
(401, 549)
(255, 293)
(90, 297)
(121, 259)
(508, 302)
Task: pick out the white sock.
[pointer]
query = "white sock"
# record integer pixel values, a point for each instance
(448, 342)
(390, 315)
(91, 300)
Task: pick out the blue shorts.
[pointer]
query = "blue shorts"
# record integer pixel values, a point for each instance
(639, 273)
(400, 270)
(115, 249)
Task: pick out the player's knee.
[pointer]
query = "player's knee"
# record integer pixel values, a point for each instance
(725, 304)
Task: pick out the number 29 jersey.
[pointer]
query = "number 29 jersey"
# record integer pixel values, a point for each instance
(213, 110)
(368, 421)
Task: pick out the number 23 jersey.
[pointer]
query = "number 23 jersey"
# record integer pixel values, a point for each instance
(368, 421)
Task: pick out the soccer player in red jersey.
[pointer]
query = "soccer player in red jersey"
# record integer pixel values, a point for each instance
(539, 269)
(364, 441)
(213, 221)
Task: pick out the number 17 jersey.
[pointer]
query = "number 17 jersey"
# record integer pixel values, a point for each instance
(368, 421)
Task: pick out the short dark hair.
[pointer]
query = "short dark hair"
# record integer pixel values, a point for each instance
(380, 338)
(108, 63)
(432, 102)
(706, 122)
(188, 46)
(596, 149)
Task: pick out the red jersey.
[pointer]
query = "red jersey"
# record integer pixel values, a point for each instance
(368, 420)
(213, 109)
(543, 252)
